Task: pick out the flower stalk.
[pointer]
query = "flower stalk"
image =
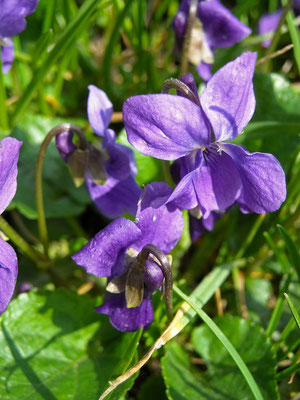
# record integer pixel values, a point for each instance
(165, 267)
(20, 242)
(187, 36)
(38, 176)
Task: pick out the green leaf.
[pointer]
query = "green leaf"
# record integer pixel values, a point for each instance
(61, 197)
(225, 343)
(223, 379)
(253, 346)
(55, 346)
(149, 169)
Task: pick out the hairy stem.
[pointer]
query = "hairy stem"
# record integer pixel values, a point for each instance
(187, 36)
(166, 270)
(38, 176)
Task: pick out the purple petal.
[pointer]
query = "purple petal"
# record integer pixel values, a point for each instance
(204, 71)
(100, 110)
(180, 20)
(228, 100)
(198, 226)
(165, 126)
(7, 56)
(115, 197)
(184, 195)
(104, 254)
(65, 145)
(263, 180)
(127, 319)
(12, 15)
(217, 182)
(119, 163)
(160, 224)
(222, 29)
(9, 155)
(153, 277)
(268, 23)
(8, 274)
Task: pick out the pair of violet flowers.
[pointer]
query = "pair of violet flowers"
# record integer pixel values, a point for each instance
(12, 22)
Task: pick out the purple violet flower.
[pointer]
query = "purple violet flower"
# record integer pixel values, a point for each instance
(113, 251)
(269, 22)
(9, 154)
(214, 174)
(12, 22)
(215, 27)
(117, 192)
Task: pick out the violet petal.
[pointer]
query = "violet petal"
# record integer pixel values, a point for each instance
(8, 274)
(12, 16)
(228, 100)
(104, 254)
(268, 23)
(127, 319)
(165, 126)
(115, 197)
(204, 71)
(9, 155)
(221, 27)
(7, 56)
(65, 145)
(100, 110)
(161, 226)
(264, 187)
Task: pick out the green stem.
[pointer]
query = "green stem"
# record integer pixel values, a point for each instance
(20, 242)
(42, 225)
(3, 110)
(277, 33)
(187, 36)
(240, 253)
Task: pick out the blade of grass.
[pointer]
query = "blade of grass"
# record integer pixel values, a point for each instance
(111, 45)
(226, 343)
(292, 249)
(68, 37)
(294, 36)
(3, 110)
(293, 310)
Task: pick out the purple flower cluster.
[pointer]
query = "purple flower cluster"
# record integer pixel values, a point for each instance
(12, 22)
(9, 154)
(108, 172)
(215, 27)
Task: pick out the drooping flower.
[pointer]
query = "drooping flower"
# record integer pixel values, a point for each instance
(115, 250)
(9, 154)
(108, 172)
(269, 22)
(214, 174)
(12, 22)
(215, 27)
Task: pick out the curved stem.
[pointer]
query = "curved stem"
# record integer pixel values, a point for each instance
(38, 176)
(166, 270)
(187, 36)
(20, 242)
(173, 83)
